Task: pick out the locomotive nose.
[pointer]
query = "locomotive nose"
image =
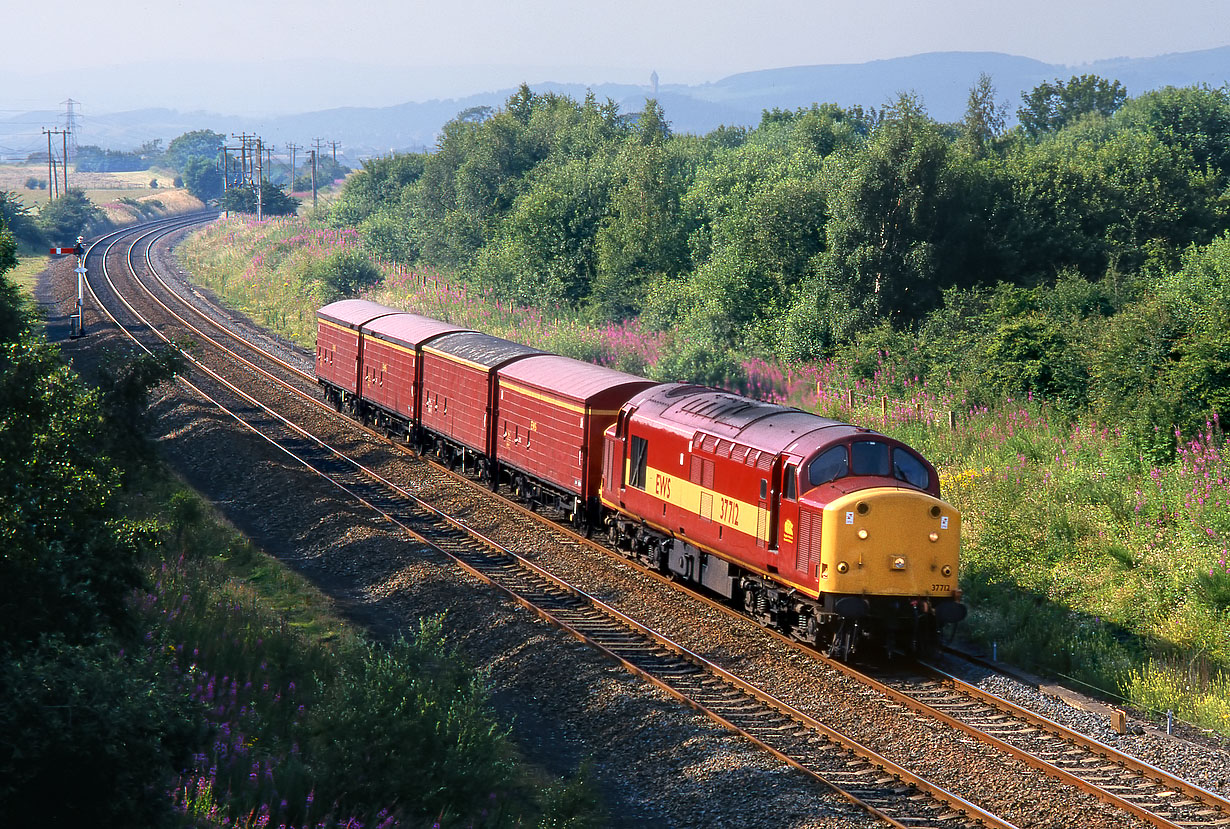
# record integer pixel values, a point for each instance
(890, 541)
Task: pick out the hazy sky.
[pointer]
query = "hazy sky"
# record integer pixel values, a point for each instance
(257, 57)
(685, 40)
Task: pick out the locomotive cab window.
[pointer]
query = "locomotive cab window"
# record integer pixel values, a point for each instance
(869, 457)
(828, 466)
(639, 462)
(910, 468)
(790, 485)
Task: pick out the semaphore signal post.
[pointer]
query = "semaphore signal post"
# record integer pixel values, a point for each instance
(77, 320)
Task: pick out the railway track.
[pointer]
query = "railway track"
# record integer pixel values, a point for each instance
(885, 788)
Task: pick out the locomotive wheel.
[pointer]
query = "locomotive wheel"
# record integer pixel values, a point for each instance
(842, 647)
(580, 524)
(749, 601)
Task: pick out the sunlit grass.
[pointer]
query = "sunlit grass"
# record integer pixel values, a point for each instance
(25, 275)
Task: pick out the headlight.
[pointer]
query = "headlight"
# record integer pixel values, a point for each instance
(934, 537)
(946, 570)
(842, 567)
(862, 534)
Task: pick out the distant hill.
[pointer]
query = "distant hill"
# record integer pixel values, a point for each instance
(941, 79)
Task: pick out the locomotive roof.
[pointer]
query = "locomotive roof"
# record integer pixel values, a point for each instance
(354, 312)
(573, 379)
(409, 329)
(754, 423)
(480, 349)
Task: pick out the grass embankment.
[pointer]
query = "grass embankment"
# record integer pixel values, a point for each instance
(1081, 558)
(129, 209)
(25, 275)
(292, 717)
(312, 724)
(123, 198)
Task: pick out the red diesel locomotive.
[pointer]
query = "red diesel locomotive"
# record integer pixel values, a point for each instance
(829, 532)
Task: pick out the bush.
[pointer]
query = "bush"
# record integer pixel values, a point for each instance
(409, 727)
(19, 220)
(92, 737)
(345, 273)
(274, 200)
(68, 217)
(695, 362)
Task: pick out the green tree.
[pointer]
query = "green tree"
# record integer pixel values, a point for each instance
(19, 220)
(378, 186)
(984, 119)
(13, 319)
(327, 172)
(643, 235)
(1050, 106)
(205, 144)
(1093, 196)
(545, 251)
(202, 178)
(1164, 361)
(68, 217)
(274, 200)
(82, 697)
(891, 209)
(1195, 118)
(759, 214)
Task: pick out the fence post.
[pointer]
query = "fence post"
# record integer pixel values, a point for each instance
(952, 420)
(884, 408)
(850, 398)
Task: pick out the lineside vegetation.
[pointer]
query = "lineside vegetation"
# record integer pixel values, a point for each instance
(1061, 286)
(158, 670)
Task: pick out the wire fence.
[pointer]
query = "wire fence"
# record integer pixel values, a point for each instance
(865, 407)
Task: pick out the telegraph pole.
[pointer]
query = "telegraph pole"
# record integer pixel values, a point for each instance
(51, 164)
(313, 152)
(244, 169)
(334, 145)
(293, 148)
(260, 181)
(65, 134)
(51, 181)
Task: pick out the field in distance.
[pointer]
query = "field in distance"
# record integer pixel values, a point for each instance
(99, 187)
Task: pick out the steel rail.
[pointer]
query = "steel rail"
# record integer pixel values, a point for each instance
(973, 812)
(1145, 770)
